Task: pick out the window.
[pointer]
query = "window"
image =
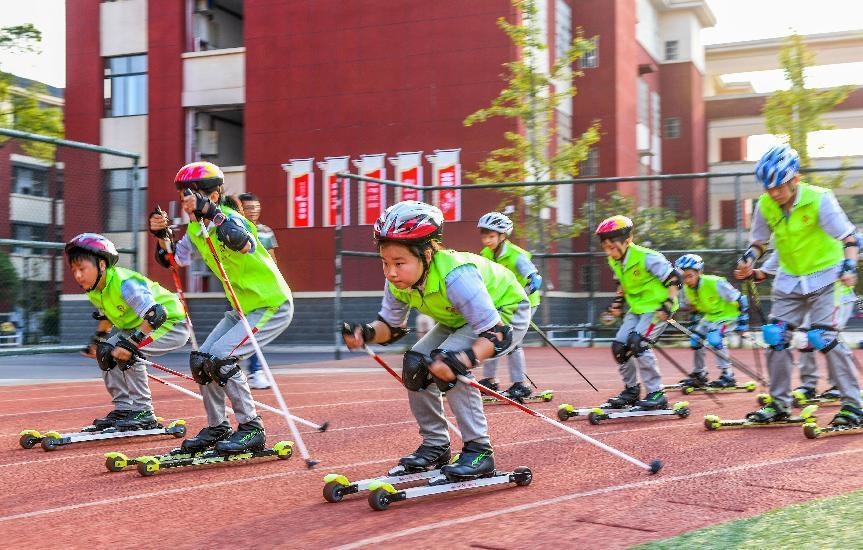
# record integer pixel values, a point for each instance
(672, 128)
(29, 232)
(590, 166)
(655, 110)
(590, 60)
(671, 50)
(29, 181)
(125, 86)
(118, 190)
(562, 28)
(643, 102)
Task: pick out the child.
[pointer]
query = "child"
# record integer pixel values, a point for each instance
(721, 306)
(649, 284)
(251, 209)
(816, 248)
(481, 311)
(494, 229)
(142, 311)
(262, 293)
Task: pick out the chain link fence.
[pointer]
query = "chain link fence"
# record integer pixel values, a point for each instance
(45, 201)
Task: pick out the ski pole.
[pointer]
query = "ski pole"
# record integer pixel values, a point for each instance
(395, 375)
(726, 357)
(755, 300)
(319, 427)
(270, 378)
(651, 468)
(175, 274)
(679, 367)
(555, 348)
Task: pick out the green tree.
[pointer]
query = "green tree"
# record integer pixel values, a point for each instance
(531, 99)
(796, 112)
(9, 283)
(23, 110)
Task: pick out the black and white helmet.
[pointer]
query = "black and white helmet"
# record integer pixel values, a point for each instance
(495, 221)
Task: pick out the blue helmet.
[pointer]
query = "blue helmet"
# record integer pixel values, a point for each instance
(777, 166)
(689, 261)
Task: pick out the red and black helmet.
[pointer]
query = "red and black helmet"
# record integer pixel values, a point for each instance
(199, 176)
(95, 244)
(410, 222)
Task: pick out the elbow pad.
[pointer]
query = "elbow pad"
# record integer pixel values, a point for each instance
(156, 316)
(232, 235)
(674, 279)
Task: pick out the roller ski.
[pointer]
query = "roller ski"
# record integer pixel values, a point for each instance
(769, 415)
(192, 447)
(150, 465)
(807, 396)
(621, 402)
(848, 420)
(473, 468)
(679, 409)
(542, 397)
(423, 464)
(723, 384)
(129, 425)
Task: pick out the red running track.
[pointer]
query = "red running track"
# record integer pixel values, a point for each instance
(580, 496)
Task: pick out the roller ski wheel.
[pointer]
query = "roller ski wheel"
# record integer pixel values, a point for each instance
(29, 439)
(116, 462)
(50, 441)
(811, 430)
(149, 465)
(382, 495)
(764, 399)
(806, 416)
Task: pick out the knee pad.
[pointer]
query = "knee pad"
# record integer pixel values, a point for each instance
(636, 344)
(104, 358)
(821, 338)
(197, 360)
(620, 351)
(415, 372)
(714, 338)
(776, 335)
(695, 342)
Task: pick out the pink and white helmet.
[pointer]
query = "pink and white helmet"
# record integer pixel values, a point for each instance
(409, 222)
(95, 244)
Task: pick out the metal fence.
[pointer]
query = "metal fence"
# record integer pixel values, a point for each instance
(41, 184)
(577, 281)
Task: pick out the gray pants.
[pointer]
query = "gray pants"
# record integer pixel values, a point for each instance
(516, 361)
(464, 400)
(703, 327)
(129, 388)
(646, 364)
(808, 359)
(229, 339)
(791, 309)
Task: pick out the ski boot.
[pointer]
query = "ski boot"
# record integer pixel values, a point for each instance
(694, 380)
(653, 401)
(849, 416)
(109, 420)
(725, 381)
(831, 393)
(803, 395)
(517, 392)
(490, 384)
(771, 412)
(138, 420)
(626, 398)
(425, 458)
(475, 460)
(250, 436)
(206, 438)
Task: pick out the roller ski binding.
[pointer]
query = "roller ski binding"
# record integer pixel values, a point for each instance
(679, 409)
(720, 385)
(623, 401)
(423, 464)
(848, 420)
(473, 468)
(51, 440)
(150, 465)
(542, 397)
(769, 415)
(190, 448)
(694, 380)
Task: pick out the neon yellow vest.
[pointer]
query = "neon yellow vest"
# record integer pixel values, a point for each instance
(110, 301)
(706, 300)
(509, 259)
(255, 277)
(643, 291)
(501, 284)
(803, 246)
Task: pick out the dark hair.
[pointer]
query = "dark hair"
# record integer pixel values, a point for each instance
(233, 202)
(417, 250)
(248, 197)
(78, 254)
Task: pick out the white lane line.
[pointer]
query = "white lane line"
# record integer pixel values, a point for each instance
(602, 490)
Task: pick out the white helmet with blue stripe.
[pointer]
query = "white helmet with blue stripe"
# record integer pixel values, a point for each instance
(689, 261)
(777, 166)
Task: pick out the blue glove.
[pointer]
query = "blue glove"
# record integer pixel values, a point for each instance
(534, 281)
(742, 323)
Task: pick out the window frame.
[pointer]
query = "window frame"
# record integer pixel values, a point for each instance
(108, 82)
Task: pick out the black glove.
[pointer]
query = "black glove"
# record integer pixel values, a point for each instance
(367, 331)
(205, 209)
(99, 337)
(132, 348)
(667, 304)
(455, 361)
(165, 233)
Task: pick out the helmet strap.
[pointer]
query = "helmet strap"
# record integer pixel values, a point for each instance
(421, 281)
(98, 276)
